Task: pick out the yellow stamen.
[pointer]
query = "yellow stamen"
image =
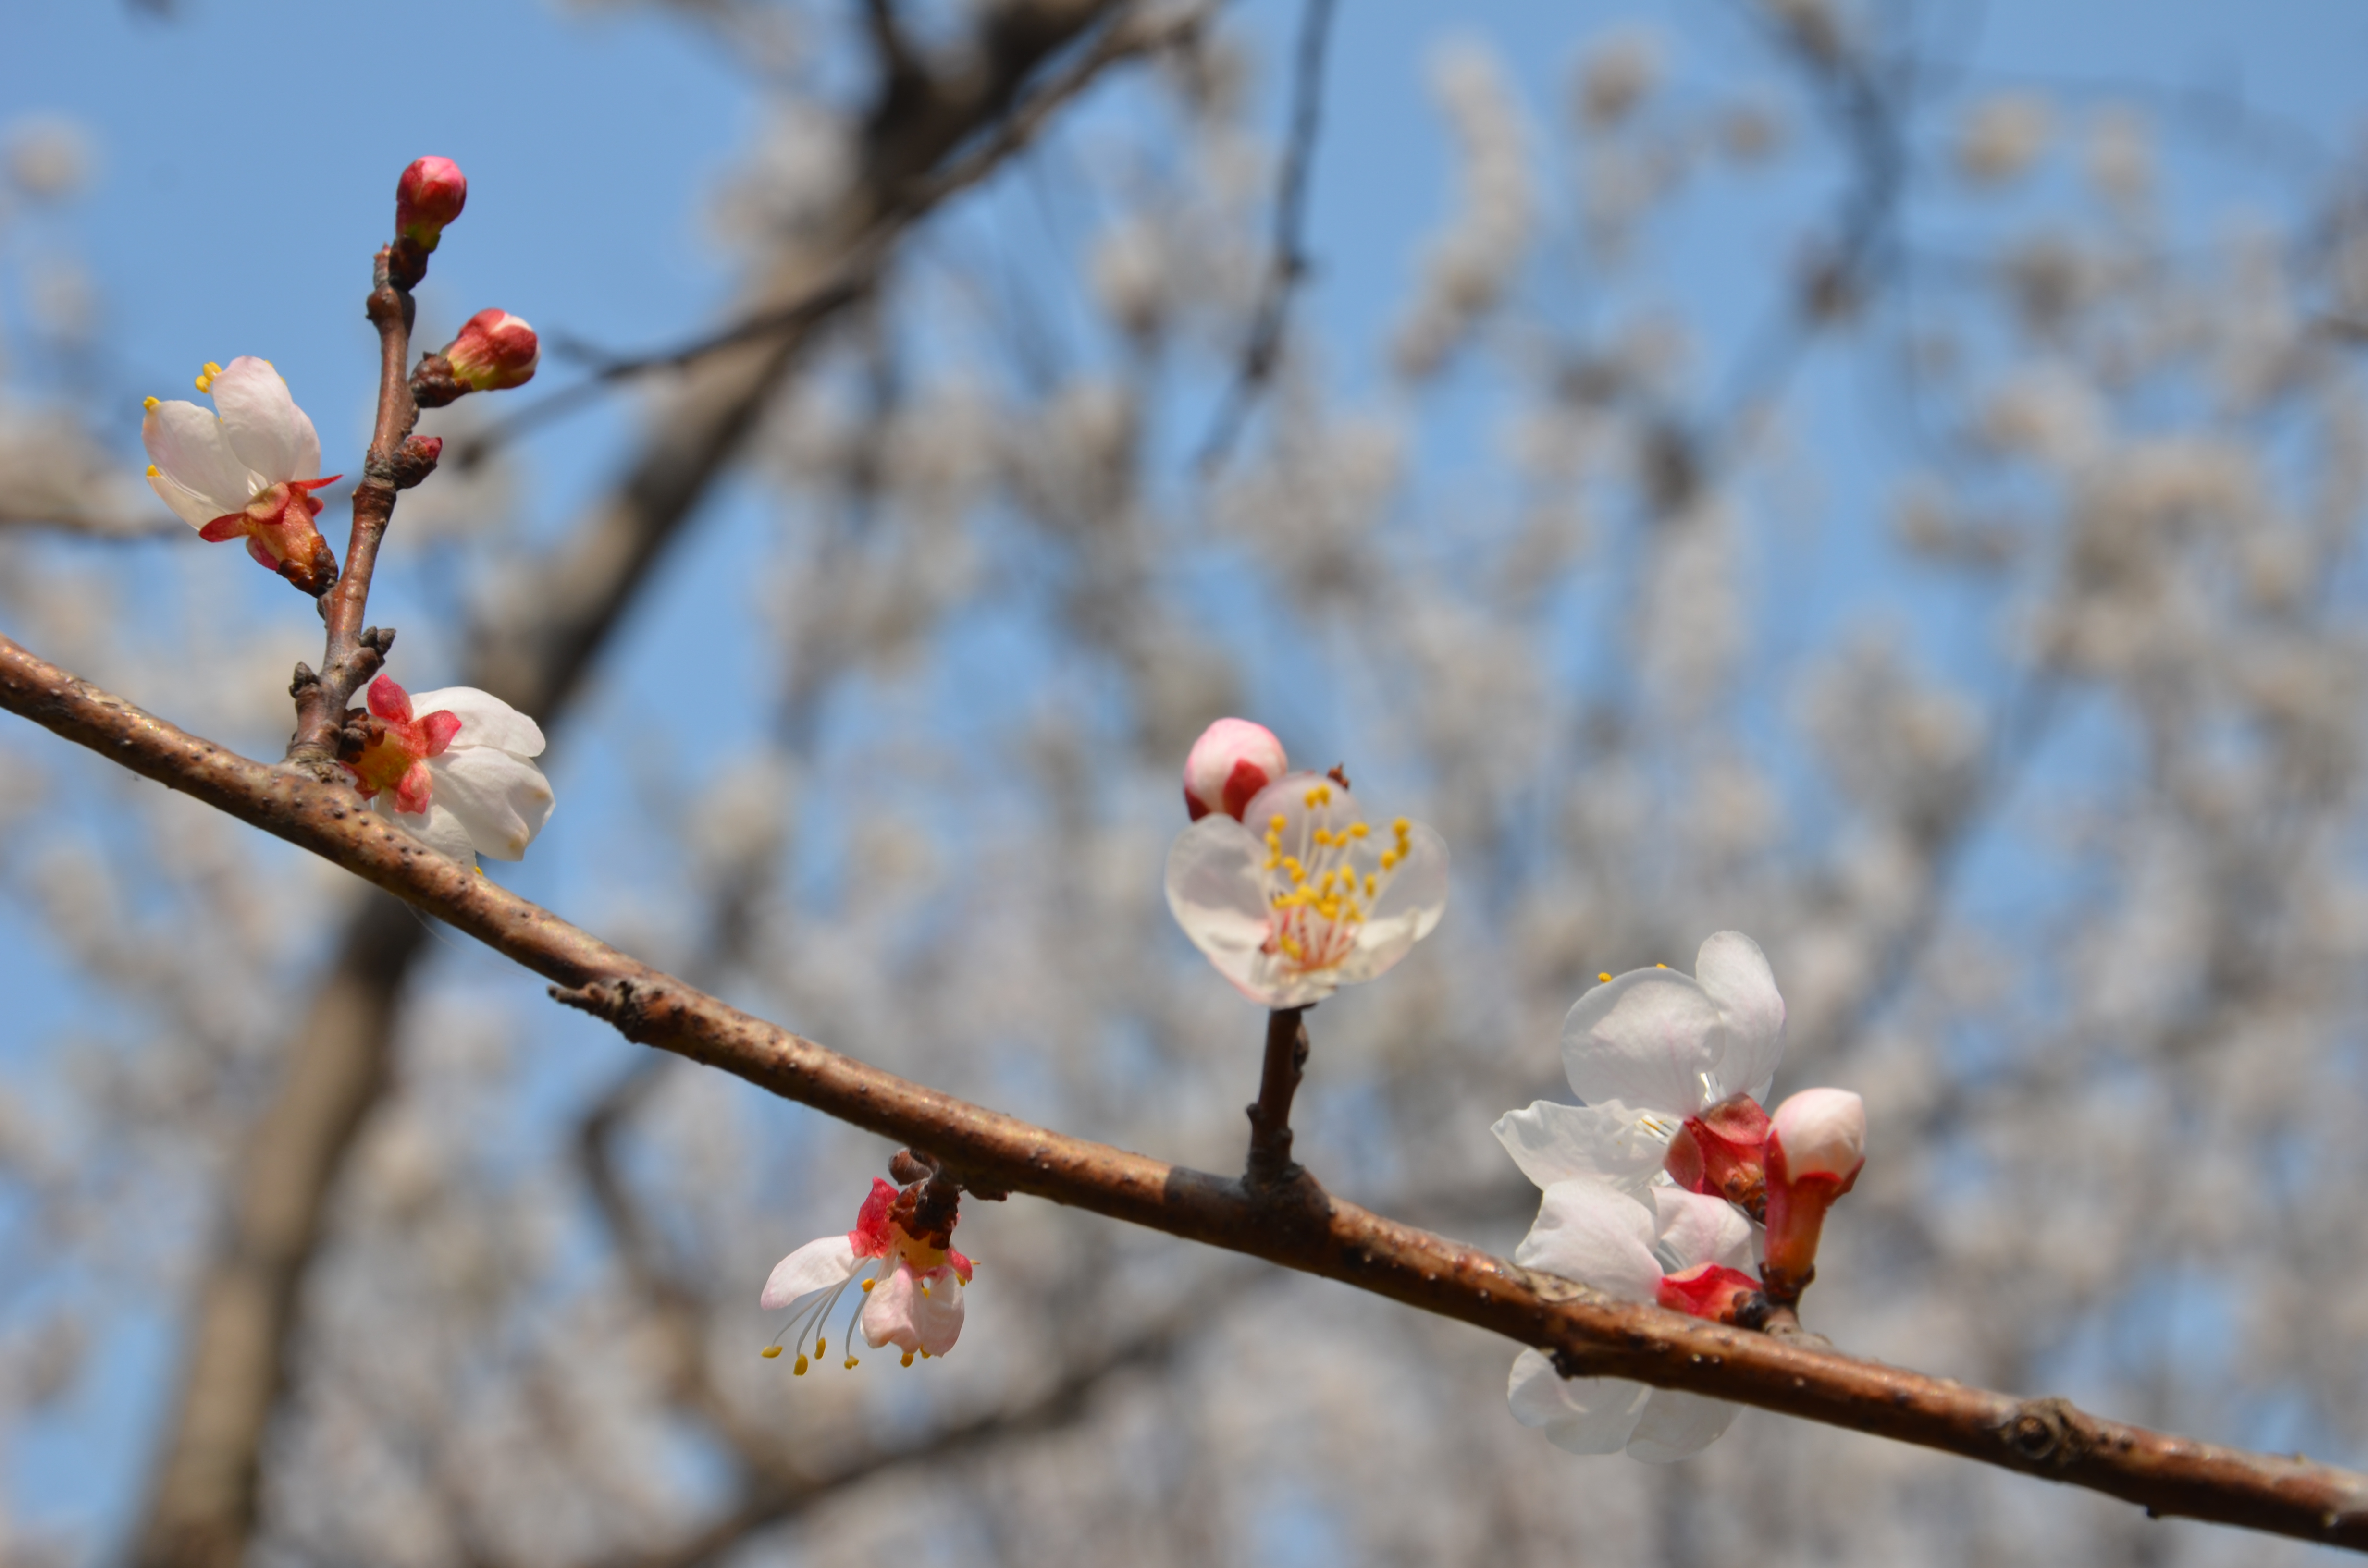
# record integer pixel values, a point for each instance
(1660, 966)
(924, 1289)
(149, 403)
(820, 1345)
(770, 1351)
(868, 1284)
(850, 1363)
(1358, 829)
(925, 1355)
(1389, 859)
(212, 369)
(908, 1359)
(1401, 827)
(1604, 978)
(1369, 886)
(205, 383)
(799, 1370)
(152, 470)
(1276, 823)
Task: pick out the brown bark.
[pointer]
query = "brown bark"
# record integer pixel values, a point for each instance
(1299, 1226)
(203, 1504)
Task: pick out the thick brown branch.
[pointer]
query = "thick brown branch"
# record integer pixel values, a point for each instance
(1588, 1333)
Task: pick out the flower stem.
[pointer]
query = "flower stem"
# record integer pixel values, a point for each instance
(1286, 1058)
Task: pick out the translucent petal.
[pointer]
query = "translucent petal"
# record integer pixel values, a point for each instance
(1694, 1227)
(185, 442)
(1675, 1425)
(261, 422)
(437, 827)
(1218, 895)
(186, 503)
(1597, 1235)
(1652, 1038)
(1581, 1416)
(1734, 973)
(485, 720)
(1408, 908)
(899, 1312)
(501, 800)
(1554, 1142)
(817, 1265)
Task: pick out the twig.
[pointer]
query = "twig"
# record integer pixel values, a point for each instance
(1587, 1332)
(1286, 1058)
(1133, 33)
(353, 653)
(1264, 346)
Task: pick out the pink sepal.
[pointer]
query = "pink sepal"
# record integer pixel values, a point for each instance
(440, 727)
(869, 1237)
(389, 701)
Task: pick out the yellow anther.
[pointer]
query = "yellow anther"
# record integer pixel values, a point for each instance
(850, 1363)
(1358, 829)
(868, 1284)
(1389, 859)
(925, 1287)
(1370, 884)
(152, 470)
(799, 1369)
(925, 1353)
(770, 1351)
(1660, 966)
(908, 1359)
(212, 369)
(1323, 836)
(1277, 822)
(1603, 978)
(820, 1345)
(205, 383)
(149, 403)
(1314, 797)
(1272, 862)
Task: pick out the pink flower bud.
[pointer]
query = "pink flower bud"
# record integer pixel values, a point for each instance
(430, 194)
(1232, 761)
(1722, 1152)
(495, 349)
(1817, 1144)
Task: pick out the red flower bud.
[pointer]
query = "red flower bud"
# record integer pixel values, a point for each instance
(430, 194)
(1232, 761)
(1722, 1153)
(1816, 1145)
(494, 350)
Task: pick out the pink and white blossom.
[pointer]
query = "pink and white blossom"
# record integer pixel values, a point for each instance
(912, 1283)
(1685, 1250)
(1232, 761)
(454, 769)
(1817, 1145)
(1303, 894)
(1670, 1070)
(249, 467)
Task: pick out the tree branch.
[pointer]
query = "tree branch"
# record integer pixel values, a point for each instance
(1587, 1332)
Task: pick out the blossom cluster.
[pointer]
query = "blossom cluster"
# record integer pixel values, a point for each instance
(1669, 1182)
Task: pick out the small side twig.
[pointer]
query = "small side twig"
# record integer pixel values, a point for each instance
(353, 653)
(1286, 1058)
(1264, 346)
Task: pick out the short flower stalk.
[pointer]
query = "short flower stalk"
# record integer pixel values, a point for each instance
(901, 1254)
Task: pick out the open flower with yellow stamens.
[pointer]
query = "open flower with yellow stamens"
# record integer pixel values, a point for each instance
(248, 468)
(1303, 894)
(902, 1251)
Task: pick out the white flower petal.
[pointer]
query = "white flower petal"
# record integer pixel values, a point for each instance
(1218, 895)
(900, 1313)
(1694, 1227)
(817, 1265)
(265, 428)
(1552, 1142)
(502, 800)
(1735, 974)
(1581, 1416)
(436, 827)
(1597, 1235)
(1652, 1038)
(1675, 1425)
(485, 720)
(1407, 910)
(185, 444)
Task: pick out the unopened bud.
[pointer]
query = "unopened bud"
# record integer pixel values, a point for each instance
(430, 194)
(1817, 1145)
(494, 350)
(1232, 761)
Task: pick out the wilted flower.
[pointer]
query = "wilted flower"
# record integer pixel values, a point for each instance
(1681, 1250)
(1304, 895)
(902, 1248)
(250, 470)
(458, 777)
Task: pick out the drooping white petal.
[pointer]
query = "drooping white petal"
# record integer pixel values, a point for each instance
(1694, 1227)
(1652, 1038)
(1580, 1415)
(485, 720)
(1552, 1142)
(265, 428)
(185, 444)
(1596, 1235)
(1733, 972)
(1675, 1425)
(501, 800)
(817, 1265)
(436, 827)
(1218, 895)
